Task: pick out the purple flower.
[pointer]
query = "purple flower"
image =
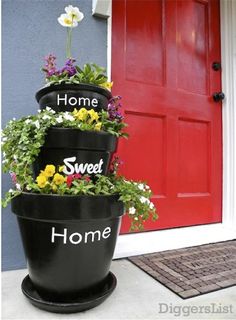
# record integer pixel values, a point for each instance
(69, 67)
(113, 109)
(115, 164)
(50, 65)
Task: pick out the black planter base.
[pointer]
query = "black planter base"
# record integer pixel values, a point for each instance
(82, 303)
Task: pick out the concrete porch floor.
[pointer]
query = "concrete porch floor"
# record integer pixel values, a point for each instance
(137, 296)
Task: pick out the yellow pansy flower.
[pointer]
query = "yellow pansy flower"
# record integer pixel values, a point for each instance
(81, 114)
(58, 179)
(107, 85)
(93, 115)
(42, 173)
(75, 112)
(98, 126)
(49, 170)
(41, 181)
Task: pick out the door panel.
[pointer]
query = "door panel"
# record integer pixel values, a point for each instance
(192, 35)
(162, 52)
(144, 33)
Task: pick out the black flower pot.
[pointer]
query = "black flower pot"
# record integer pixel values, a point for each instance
(67, 97)
(68, 241)
(84, 152)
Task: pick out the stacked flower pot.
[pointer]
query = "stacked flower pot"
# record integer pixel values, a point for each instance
(69, 240)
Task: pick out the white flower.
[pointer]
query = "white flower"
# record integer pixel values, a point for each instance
(10, 190)
(147, 187)
(27, 121)
(14, 119)
(15, 157)
(144, 200)
(39, 111)
(45, 117)
(50, 110)
(74, 13)
(66, 21)
(132, 210)
(18, 186)
(136, 218)
(37, 125)
(141, 186)
(4, 139)
(151, 205)
(69, 117)
(59, 119)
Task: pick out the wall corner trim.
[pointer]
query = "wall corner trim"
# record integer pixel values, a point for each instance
(228, 56)
(101, 8)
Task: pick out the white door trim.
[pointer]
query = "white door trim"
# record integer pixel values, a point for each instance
(153, 241)
(228, 55)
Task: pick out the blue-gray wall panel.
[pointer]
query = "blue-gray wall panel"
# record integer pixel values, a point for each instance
(29, 32)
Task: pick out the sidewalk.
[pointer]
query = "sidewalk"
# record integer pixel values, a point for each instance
(137, 296)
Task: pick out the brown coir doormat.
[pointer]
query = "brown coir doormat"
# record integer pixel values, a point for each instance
(192, 271)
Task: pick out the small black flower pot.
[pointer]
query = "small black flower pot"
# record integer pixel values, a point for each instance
(67, 97)
(69, 243)
(84, 152)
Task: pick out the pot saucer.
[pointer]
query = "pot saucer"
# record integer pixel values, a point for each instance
(95, 297)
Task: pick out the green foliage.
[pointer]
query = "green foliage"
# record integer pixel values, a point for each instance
(21, 143)
(23, 138)
(89, 74)
(134, 195)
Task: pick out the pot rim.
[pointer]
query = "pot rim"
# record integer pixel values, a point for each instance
(73, 208)
(72, 86)
(90, 132)
(74, 138)
(71, 195)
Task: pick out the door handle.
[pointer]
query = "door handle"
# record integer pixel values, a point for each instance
(218, 96)
(216, 65)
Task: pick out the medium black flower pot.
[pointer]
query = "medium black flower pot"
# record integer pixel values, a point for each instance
(68, 241)
(84, 152)
(67, 97)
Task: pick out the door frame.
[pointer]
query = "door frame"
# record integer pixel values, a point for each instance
(154, 241)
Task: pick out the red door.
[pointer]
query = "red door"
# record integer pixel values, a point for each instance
(162, 55)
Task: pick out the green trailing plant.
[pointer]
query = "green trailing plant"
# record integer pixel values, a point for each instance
(134, 195)
(23, 138)
(21, 143)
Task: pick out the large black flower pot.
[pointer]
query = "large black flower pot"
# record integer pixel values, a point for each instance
(69, 243)
(67, 97)
(84, 152)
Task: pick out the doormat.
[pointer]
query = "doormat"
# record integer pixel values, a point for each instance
(190, 272)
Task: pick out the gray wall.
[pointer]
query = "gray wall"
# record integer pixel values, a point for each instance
(29, 32)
